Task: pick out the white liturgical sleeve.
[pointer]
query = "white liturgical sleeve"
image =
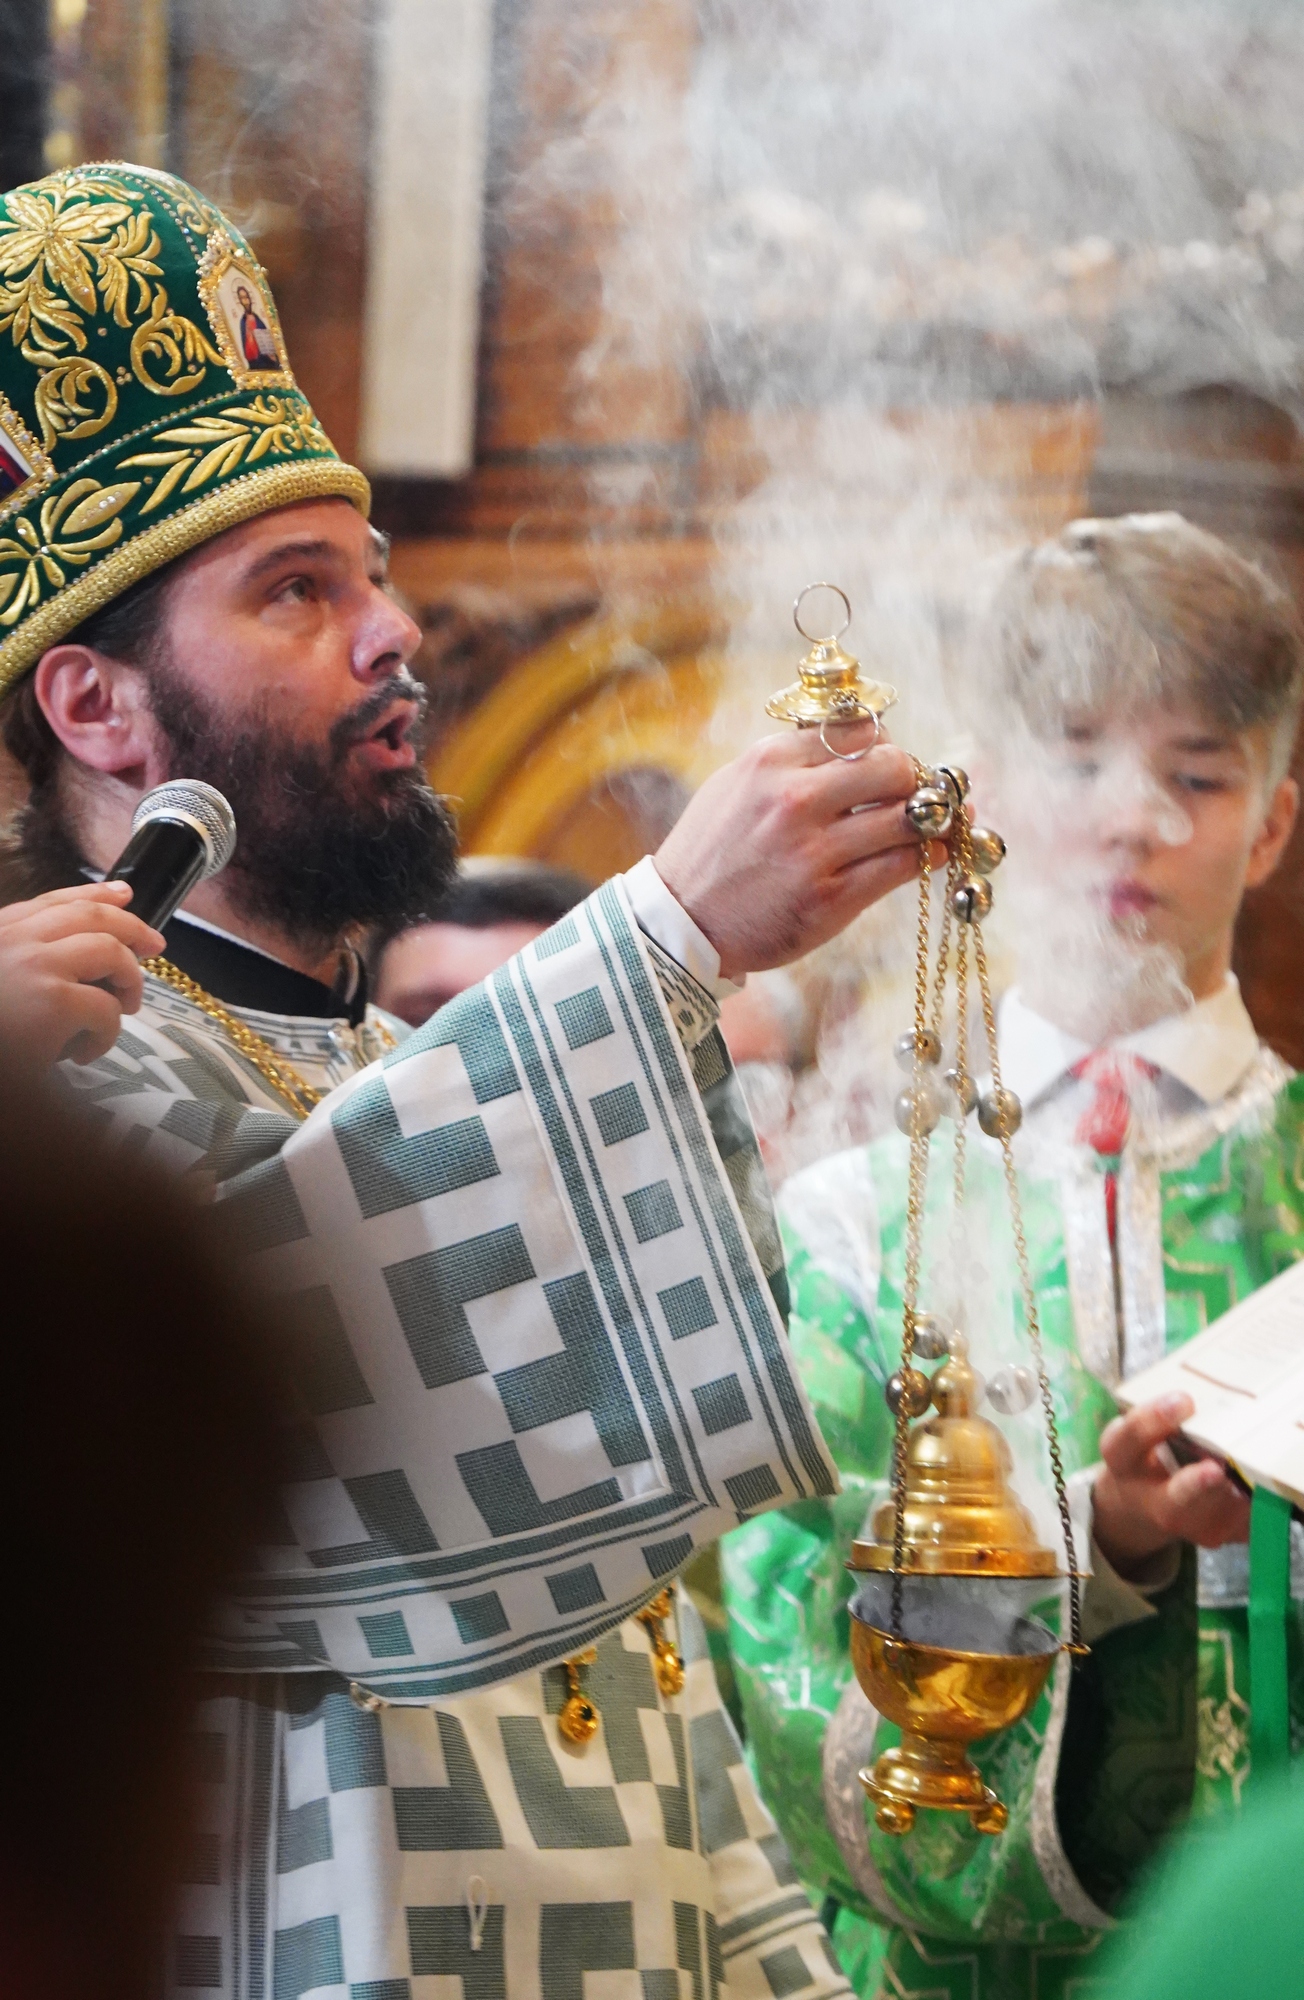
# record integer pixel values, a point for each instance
(536, 1357)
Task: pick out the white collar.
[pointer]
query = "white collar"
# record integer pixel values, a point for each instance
(1208, 1046)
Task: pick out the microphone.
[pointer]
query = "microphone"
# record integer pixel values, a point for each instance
(181, 834)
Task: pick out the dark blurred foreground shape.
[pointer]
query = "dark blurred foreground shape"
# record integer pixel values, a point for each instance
(136, 1472)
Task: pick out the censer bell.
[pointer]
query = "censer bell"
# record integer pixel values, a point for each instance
(943, 1640)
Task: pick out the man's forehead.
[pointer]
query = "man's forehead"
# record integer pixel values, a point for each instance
(309, 529)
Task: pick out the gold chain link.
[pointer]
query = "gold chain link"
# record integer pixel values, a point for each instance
(284, 1079)
(960, 868)
(918, 1175)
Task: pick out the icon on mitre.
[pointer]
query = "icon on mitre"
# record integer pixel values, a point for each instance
(13, 472)
(243, 317)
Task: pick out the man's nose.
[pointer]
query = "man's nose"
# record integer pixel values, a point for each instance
(386, 639)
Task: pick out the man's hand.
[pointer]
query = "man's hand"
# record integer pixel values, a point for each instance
(782, 848)
(1143, 1499)
(51, 949)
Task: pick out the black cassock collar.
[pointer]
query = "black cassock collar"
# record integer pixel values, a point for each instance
(240, 976)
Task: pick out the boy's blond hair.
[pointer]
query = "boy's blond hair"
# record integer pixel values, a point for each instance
(1147, 607)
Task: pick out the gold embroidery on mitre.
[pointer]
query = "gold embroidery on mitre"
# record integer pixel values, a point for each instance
(112, 572)
(213, 447)
(24, 468)
(243, 316)
(78, 248)
(66, 396)
(74, 524)
(173, 340)
(64, 257)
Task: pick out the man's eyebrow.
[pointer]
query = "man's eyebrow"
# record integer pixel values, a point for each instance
(303, 551)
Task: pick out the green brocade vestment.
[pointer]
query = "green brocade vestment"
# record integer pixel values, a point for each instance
(1152, 1728)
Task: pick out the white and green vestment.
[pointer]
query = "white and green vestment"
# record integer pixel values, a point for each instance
(527, 1290)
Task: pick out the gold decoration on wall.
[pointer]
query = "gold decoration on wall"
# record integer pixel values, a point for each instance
(612, 695)
(74, 524)
(211, 447)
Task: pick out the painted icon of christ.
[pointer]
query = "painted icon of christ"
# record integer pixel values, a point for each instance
(257, 348)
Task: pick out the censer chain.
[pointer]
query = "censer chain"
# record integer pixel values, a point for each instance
(1031, 1315)
(960, 866)
(918, 1174)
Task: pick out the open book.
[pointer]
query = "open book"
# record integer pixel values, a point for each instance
(1245, 1375)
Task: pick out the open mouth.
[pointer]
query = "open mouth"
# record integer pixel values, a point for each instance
(389, 746)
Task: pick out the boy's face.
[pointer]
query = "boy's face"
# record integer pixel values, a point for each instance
(1161, 820)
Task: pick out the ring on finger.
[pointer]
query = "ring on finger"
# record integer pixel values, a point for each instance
(850, 756)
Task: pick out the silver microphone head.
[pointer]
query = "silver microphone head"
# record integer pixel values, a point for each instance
(193, 804)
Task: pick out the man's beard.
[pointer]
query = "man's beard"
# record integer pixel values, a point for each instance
(321, 851)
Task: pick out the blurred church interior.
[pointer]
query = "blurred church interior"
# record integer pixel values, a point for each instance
(562, 441)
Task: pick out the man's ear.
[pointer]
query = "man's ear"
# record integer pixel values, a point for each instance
(1270, 841)
(99, 710)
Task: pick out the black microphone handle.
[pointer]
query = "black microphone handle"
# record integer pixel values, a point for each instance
(163, 861)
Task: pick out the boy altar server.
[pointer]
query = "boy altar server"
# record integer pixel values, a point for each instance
(1153, 680)
(531, 1297)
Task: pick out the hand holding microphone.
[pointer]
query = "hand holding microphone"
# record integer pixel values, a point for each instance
(69, 964)
(68, 972)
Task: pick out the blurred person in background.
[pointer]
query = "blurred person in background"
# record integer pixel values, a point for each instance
(138, 1472)
(528, 1284)
(492, 909)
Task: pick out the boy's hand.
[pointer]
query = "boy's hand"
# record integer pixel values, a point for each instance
(779, 850)
(68, 972)
(1143, 1499)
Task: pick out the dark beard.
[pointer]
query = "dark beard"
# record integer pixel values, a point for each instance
(318, 854)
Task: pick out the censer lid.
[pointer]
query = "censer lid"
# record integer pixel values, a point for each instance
(962, 1517)
(831, 687)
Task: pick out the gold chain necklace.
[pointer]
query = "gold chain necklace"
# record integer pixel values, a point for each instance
(284, 1079)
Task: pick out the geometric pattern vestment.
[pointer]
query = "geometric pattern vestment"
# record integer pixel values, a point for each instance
(537, 1359)
(639, 1866)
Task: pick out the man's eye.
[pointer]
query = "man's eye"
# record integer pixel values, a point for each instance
(297, 588)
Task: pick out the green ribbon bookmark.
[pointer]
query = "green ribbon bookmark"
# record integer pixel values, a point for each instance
(1270, 1518)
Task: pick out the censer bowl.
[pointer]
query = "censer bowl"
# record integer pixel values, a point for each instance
(968, 1662)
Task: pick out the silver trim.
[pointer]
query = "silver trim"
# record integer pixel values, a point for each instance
(188, 802)
(848, 1747)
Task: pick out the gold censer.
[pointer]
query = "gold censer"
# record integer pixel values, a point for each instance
(942, 1639)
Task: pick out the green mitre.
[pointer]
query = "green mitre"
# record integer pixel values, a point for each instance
(146, 399)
